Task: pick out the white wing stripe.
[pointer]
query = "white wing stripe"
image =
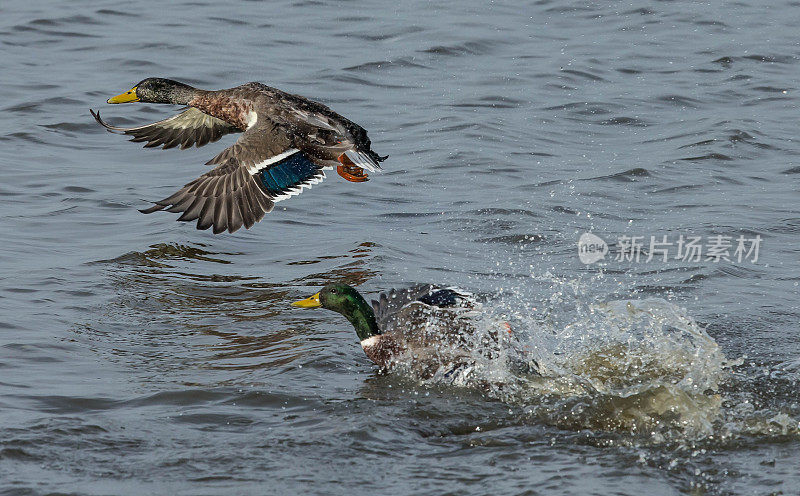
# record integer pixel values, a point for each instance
(252, 169)
(296, 190)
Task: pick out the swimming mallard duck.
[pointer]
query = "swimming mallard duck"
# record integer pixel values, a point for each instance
(425, 326)
(288, 142)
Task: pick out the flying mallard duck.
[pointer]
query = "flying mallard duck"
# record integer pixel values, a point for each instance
(425, 326)
(287, 143)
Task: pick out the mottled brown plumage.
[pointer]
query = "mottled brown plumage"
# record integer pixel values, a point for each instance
(286, 144)
(423, 327)
(426, 336)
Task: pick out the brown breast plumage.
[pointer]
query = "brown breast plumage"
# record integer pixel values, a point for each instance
(232, 110)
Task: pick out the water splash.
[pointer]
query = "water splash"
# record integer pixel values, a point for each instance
(640, 368)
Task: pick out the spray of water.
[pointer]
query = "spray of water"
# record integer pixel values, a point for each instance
(641, 367)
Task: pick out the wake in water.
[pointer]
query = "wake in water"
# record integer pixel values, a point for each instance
(641, 367)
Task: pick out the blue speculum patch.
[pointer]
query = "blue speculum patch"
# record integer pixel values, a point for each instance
(289, 172)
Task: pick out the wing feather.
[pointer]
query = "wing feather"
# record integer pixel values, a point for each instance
(190, 127)
(261, 168)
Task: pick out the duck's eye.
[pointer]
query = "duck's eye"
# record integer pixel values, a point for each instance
(333, 291)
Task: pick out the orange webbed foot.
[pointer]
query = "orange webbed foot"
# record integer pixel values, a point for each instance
(350, 171)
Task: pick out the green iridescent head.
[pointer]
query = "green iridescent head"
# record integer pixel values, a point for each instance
(344, 299)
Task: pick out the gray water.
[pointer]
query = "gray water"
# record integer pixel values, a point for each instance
(141, 356)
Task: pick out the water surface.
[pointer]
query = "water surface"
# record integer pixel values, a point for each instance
(141, 356)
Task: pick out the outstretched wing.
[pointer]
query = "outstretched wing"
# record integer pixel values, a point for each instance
(260, 169)
(190, 127)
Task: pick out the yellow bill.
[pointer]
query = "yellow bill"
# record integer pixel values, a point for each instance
(127, 97)
(310, 302)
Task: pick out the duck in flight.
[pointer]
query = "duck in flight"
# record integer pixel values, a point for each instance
(287, 143)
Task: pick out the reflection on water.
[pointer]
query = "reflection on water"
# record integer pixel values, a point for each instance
(228, 321)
